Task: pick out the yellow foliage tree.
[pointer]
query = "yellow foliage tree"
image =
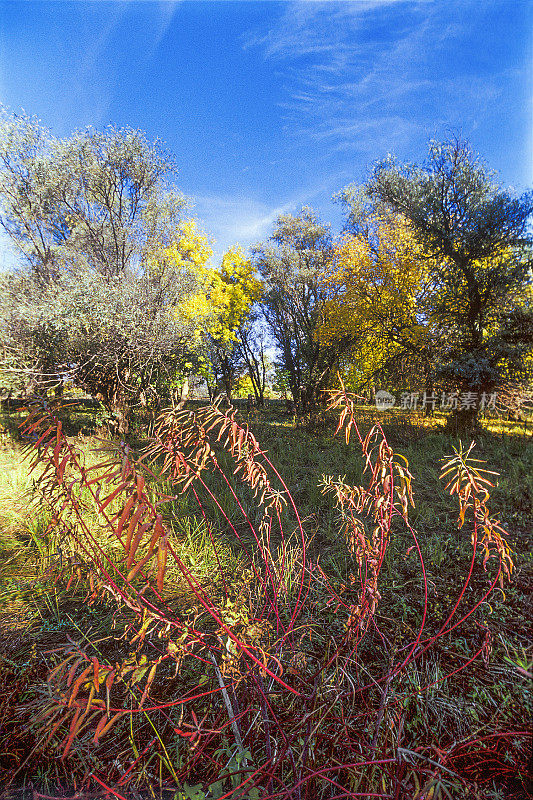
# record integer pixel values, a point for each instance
(376, 283)
(222, 304)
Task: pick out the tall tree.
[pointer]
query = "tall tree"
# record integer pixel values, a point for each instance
(251, 343)
(377, 284)
(223, 303)
(476, 238)
(97, 295)
(293, 264)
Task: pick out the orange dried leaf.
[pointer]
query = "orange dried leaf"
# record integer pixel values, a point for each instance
(99, 728)
(111, 722)
(161, 563)
(133, 524)
(96, 669)
(136, 542)
(109, 499)
(78, 683)
(74, 725)
(72, 671)
(125, 514)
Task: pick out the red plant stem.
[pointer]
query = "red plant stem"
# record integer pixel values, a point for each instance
(212, 538)
(467, 581)
(108, 789)
(148, 746)
(75, 505)
(471, 611)
(332, 591)
(211, 610)
(230, 523)
(297, 606)
(398, 669)
(431, 640)
(353, 765)
(502, 734)
(265, 558)
(448, 675)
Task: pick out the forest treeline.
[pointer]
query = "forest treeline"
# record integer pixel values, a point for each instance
(427, 287)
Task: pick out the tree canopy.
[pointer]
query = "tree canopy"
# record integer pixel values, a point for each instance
(430, 280)
(109, 260)
(293, 264)
(477, 243)
(376, 285)
(221, 307)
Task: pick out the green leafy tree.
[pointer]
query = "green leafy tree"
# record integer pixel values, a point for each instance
(98, 293)
(293, 264)
(476, 238)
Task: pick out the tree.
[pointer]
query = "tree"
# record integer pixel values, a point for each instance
(223, 303)
(377, 283)
(107, 259)
(251, 338)
(293, 264)
(476, 238)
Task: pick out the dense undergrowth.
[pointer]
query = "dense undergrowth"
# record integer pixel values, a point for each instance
(207, 614)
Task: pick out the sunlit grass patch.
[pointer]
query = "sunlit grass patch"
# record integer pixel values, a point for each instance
(15, 493)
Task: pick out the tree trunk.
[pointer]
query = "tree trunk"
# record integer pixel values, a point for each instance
(107, 384)
(121, 409)
(463, 422)
(184, 393)
(227, 388)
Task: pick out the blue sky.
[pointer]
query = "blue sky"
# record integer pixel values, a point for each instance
(267, 106)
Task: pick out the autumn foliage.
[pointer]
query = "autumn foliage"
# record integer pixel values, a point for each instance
(260, 676)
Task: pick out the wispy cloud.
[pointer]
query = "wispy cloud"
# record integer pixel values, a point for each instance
(365, 75)
(166, 10)
(244, 220)
(236, 220)
(89, 91)
(309, 27)
(92, 86)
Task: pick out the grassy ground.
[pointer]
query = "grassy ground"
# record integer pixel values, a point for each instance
(37, 616)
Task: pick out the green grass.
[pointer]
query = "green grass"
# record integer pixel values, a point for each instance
(38, 616)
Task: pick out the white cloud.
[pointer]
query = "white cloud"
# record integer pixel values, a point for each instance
(315, 28)
(236, 220)
(359, 74)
